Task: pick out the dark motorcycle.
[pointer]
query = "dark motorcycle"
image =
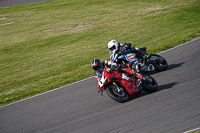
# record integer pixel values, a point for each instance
(141, 63)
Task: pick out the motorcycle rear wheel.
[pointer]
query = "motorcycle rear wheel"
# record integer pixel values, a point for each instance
(151, 86)
(115, 95)
(162, 65)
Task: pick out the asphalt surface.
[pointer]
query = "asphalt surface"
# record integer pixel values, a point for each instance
(78, 108)
(4, 3)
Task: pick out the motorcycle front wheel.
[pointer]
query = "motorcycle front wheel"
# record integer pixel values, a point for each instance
(114, 94)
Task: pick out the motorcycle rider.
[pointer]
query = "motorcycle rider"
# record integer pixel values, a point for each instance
(125, 48)
(98, 66)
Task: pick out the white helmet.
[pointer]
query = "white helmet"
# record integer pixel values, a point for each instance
(113, 45)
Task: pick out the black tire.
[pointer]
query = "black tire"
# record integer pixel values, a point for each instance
(151, 86)
(161, 66)
(111, 91)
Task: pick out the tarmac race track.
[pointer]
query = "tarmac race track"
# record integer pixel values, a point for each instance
(78, 108)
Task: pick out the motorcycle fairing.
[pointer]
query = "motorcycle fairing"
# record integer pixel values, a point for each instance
(131, 87)
(129, 57)
(125, 76)
(154, 58)
(117, 77)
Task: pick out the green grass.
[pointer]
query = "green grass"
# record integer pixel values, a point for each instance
(50, 44)
(198, 131)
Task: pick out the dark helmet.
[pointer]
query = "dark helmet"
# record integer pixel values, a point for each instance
(96, 64)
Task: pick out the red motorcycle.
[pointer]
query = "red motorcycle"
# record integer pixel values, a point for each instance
(120, 85)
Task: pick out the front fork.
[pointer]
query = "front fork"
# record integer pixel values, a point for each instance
(118, 89)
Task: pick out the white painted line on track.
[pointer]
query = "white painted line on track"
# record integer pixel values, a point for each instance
(179, 45)
(46, 92)
(192, 130)
(87, 78)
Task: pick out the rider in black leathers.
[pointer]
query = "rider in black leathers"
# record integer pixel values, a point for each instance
(124, 48)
